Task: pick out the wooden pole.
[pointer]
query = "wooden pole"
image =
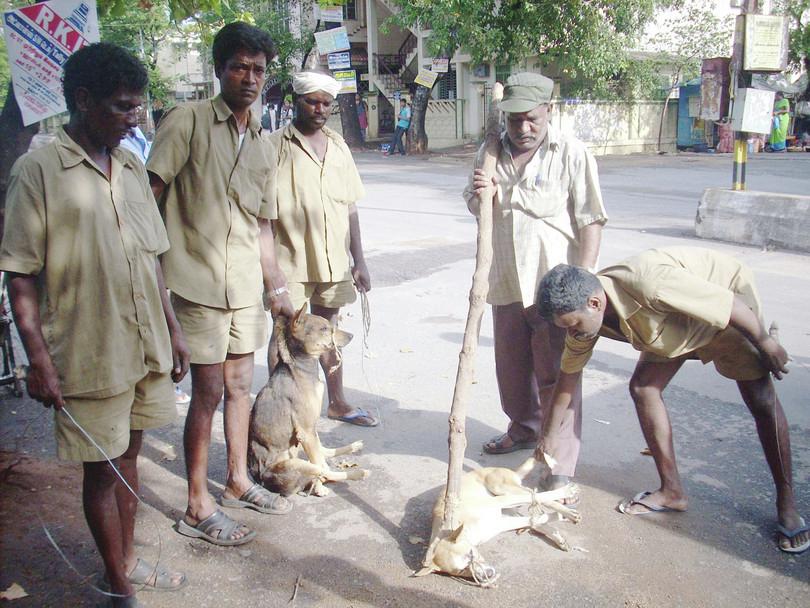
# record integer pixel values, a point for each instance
(478, 294)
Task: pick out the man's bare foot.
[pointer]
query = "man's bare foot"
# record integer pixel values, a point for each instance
(645, 503)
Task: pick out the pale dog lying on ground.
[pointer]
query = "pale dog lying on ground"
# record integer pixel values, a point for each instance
(484, 495)
(288, 407)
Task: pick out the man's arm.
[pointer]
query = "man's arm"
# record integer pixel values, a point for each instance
(273, 276)
(590, 237)
(181, 355)
(746, 322)
(158, 186)
(360, 274)
(43, 379)
(560, 401)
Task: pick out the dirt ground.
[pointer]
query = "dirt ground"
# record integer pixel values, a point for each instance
(359, 546)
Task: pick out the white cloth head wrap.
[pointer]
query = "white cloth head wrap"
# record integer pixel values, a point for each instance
(307, 82)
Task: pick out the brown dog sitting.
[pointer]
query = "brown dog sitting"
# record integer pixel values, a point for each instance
(288, 407)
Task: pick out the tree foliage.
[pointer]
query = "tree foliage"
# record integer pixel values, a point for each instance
(584, 38)
(798, 14)
(685, 35)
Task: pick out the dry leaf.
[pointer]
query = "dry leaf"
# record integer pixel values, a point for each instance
(646, 452)
(416, 540)
(405, 349)
(14, 592)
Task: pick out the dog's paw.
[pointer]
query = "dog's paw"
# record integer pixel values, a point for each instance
(356, 446)
(318, 489)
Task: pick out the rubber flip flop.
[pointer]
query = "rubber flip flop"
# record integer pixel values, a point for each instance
(255, 498)
(495, 446)
(638, 499)
(355, 416)
(216, 522)
(791, 534)
(142, 573)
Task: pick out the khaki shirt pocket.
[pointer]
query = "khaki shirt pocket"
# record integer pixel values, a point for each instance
(336, 184)
(141, 215)
(250, 189)
(544, 199)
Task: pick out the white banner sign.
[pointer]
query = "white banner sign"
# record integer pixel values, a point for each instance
(40, 38)
(441, 65)
(332, 41)
(331, 13)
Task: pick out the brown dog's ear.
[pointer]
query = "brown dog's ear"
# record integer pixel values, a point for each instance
(455, 534)
(296, 319)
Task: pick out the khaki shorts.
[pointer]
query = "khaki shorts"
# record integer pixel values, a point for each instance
(328, 295)
(733, 355)
(213, 333)
(148, 404)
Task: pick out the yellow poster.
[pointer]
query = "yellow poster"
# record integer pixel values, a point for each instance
(426, 78)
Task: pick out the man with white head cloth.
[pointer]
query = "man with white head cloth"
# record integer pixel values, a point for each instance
(318, 229)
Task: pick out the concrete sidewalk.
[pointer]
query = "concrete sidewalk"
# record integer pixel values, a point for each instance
(358, 546)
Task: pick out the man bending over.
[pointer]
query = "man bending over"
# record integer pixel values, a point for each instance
(674, 304)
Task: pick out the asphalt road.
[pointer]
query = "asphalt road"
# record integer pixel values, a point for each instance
(358, 546)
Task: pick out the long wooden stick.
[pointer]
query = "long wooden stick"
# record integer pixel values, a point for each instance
(478, 295)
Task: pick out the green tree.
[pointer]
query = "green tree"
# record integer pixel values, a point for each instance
(142, 32)
(689, 32)
(586, 39)
(798, 14)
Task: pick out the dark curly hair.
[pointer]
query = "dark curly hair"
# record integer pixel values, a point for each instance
(238, 36)
(565, 289)
(102, 69)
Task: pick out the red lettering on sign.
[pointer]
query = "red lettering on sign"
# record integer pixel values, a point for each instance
(60, 30)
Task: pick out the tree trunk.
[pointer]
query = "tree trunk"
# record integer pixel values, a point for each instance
(480, 286)
(349, 120)
(417, 136)
(15, 140)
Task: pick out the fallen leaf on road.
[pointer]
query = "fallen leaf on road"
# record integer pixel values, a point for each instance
(14, 592)
(170, 454)
(416, 540)
(601, 421)
(405, 349)
(646, 452)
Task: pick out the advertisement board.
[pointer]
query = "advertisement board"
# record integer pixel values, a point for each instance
(39, 39)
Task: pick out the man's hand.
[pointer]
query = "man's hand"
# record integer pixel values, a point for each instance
(360, 276)
(774, 356)
(181, 356)
(43, 384)
(481, 183)
(280, 305)
(546, 445)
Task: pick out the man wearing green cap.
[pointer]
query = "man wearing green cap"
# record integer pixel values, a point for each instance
(547, 210)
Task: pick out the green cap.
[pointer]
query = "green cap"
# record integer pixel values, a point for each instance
(525, 91)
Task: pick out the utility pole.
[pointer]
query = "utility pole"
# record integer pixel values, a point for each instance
(741, 80)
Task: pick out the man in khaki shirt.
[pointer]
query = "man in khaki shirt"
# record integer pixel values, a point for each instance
(548, 209)
(675, 304)
(80, 248)
(209, 169)
(318, 228)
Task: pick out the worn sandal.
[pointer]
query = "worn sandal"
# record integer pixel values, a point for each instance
(217, 529)
(142, 573)
(259, 499)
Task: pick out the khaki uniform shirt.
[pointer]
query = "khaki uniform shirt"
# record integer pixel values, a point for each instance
(216, 191)
(313, 200)
(92, 244)
(669, 301)
(538, 214)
